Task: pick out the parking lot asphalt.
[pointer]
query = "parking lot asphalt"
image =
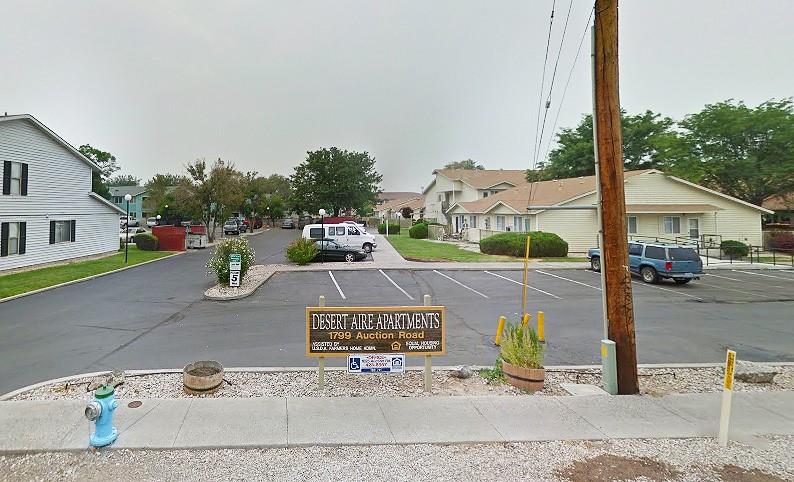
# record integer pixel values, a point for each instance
(153, 316)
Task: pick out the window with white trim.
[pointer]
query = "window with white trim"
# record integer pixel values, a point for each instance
(500, 223)
(671, 224)
(63, 231)
(631, 223)
(472, 221)
(13, 238)
(517, 223)
(527, 224)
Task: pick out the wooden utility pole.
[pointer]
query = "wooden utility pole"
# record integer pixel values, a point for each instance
(609, 166)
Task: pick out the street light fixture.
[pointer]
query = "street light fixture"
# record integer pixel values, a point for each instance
(322, 240)
(128, 198)
(158, 220)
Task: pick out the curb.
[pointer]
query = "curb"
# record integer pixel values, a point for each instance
(442, 368)
(239, 295)
(99, 275)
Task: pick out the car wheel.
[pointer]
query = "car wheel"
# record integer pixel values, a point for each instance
(649, 275)
(595, 263)
(367, 248)
(350, 257)
(682, 281)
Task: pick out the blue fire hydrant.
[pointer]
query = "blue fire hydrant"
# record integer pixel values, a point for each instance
(100, 411)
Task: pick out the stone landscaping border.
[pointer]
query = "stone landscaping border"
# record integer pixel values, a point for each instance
(285, 369)
(253, 279)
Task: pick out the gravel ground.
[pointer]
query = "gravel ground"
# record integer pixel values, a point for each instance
(341, 384)
(254, 277)
(767, 459)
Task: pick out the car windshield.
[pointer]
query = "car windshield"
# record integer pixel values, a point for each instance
(683, 254)
(231, 221)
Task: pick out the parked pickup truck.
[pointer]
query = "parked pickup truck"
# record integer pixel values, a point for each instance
(655, 261)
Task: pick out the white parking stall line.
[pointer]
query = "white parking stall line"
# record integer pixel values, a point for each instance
(732, 289)
(567, 279)
(459, 283)
(659, 288)
(667, 289)
(730, 279)
(760, 274)
(520, 283)
(396, 285)
(337, 286)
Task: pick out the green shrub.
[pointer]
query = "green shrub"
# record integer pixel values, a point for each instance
(302, 251)
(393, 228)
(542, 245)
(121, 244)
(218, 264)
(521, 346)
(147, 242)
(418, 231)
(733, 248)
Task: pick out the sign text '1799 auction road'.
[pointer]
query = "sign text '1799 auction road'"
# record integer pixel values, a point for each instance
(339, 330)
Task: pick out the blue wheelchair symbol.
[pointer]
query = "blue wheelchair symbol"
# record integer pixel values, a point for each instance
(355, 364)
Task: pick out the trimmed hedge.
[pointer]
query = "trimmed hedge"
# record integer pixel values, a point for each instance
(543, 245)
(393, 228)
(734, 248)
(418, 231)
(147, 242)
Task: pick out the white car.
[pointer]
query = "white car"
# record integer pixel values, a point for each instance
(132, 221)
(344, 234)
(132, 232)
(151, 222)
(358, 225)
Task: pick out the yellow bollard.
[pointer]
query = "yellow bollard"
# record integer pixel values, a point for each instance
(541, 333)
(499, 330)
(525, 320)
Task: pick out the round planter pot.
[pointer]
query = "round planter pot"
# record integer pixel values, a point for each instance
(202, 377)
(529, 379)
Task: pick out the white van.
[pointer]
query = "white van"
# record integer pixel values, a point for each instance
(344, 234)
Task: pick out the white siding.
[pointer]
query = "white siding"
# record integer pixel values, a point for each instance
(578, 228)
(58, 187)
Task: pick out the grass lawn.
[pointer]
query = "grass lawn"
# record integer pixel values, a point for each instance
(424, 250)
(17, 283)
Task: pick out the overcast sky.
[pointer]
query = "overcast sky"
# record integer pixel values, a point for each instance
(415, 83)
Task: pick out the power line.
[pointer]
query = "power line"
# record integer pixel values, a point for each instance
(553, 76)
(567, 82)
(542, 84)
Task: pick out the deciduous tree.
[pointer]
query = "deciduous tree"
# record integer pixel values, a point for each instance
(336, 180)
(465, 164)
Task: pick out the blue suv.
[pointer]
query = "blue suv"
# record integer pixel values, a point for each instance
(654, 261)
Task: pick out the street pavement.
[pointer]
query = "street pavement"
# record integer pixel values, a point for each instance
(154, 316)
(285, 421)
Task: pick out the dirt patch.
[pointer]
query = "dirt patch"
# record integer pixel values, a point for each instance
(608, 467)
(203, 371)
(738, 474)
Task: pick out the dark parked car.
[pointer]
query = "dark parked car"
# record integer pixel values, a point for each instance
(653, 261)
(330, 250)
(288, 223)
(233, 226)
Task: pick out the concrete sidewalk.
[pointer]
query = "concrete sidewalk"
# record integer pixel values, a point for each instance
(278, 422)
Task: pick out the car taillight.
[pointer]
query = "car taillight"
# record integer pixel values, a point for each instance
(668, 265)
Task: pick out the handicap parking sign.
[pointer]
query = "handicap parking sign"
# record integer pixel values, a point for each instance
(354, 364)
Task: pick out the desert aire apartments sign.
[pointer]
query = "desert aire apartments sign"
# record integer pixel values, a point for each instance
(340, 330)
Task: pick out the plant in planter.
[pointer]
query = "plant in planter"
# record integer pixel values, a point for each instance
(522, 358)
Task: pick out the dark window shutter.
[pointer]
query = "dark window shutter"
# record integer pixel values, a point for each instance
(4, 239)
(74, 225)
(52, 232)
(23, 235)
(6, 178)
(23, 190)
